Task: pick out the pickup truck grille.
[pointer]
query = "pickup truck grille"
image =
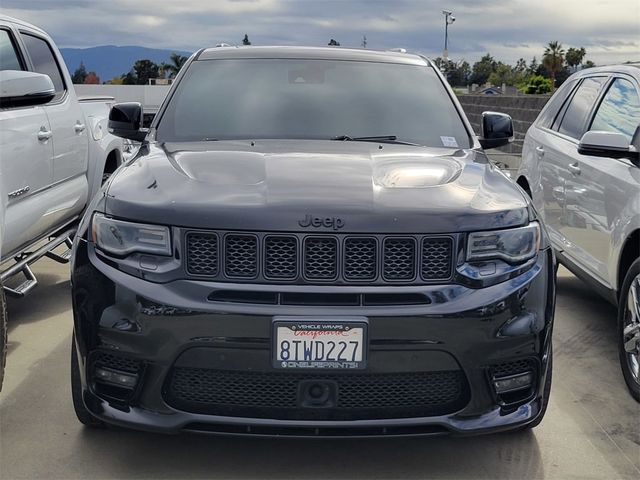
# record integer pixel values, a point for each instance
(319, 258)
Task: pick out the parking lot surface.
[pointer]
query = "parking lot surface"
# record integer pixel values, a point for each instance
(591, 431)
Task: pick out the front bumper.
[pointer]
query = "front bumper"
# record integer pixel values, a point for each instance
(164, 327)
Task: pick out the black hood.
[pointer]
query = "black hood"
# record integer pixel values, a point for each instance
(273, 185)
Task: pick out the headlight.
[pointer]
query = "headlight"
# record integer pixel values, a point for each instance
(514, 245)
(122, 238)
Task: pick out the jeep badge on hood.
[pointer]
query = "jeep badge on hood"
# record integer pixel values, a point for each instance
(329, 222)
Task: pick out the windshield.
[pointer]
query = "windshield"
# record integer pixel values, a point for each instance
(311, 99)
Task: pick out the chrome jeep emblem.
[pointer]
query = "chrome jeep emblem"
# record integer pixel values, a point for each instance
(336, 223)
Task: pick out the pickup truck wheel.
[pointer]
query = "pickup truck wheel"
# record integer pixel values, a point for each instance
(629, 329)
(83, 414)
(3, 334)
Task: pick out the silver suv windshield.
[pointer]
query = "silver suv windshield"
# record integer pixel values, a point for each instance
(311, 99)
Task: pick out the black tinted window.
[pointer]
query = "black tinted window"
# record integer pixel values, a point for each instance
(311, 99)
(44, 61)
(8, 56)
(549, 112)
(575, 118)
(619, 110)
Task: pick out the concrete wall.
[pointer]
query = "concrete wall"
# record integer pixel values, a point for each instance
(523, 109)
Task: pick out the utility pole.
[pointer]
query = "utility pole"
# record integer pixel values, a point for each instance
(448, 20)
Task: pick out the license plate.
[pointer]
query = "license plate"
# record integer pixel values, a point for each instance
(318, 343)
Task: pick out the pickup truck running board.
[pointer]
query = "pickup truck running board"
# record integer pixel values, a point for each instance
(24, 261)
(63, 257)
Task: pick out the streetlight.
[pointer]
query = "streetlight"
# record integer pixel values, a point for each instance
(448, 20)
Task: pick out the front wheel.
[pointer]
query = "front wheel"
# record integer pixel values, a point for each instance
(629, 329)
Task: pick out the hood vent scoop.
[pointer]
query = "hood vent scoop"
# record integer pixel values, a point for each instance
(427, 172)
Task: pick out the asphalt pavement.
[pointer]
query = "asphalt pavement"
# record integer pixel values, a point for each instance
(591, 431)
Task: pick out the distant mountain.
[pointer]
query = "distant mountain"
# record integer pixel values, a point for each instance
(109, 61)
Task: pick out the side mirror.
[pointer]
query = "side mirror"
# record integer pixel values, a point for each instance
(125, 120)
(497, 130)
(21, 89)
(607, 144)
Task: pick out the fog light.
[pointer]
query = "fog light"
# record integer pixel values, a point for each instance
(120, 379)
(513, 382)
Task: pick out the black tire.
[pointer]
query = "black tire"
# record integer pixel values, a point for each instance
(623, 319)
(3, 334)
(545, 401)
(84, 416)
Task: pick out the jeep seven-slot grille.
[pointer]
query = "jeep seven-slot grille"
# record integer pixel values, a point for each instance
(318, 258)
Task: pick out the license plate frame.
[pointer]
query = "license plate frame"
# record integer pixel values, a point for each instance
(325, 324)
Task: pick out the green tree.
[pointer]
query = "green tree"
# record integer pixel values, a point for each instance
(503, 73)
(532, 69)
(177, 61)
(460, 74)
(483, 69)
(588, 64)
(129, 78)
(80, 75)
(245, 40)
(145, 70)
(521, 66)
(456, 73)
(537, 84)
(553, 60)
(574, 57)
(116, 81)
(334, 43)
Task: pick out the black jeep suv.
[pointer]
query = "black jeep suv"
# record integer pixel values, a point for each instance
(311, 242)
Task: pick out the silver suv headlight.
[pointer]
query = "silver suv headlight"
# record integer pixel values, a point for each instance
(122, 238)
(514, 245)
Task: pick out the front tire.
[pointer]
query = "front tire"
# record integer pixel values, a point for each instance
(629, 329)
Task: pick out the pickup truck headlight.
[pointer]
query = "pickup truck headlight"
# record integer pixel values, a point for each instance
(515, 245)
(122, 238)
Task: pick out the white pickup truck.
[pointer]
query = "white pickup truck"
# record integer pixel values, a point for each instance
(55, 153)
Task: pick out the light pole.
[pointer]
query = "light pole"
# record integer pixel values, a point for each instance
(448, 20)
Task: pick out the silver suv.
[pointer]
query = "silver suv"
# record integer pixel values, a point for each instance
(580, 164)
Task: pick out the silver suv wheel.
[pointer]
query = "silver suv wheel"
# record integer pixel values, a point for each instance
(631, 328)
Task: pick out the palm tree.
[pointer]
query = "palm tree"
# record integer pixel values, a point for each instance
(163, 69)
(553, 60)
(177, 61)
(574, 57)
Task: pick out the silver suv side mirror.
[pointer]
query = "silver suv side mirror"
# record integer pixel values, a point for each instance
(607, 144)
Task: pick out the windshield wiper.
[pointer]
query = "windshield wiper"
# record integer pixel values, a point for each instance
(379, 139)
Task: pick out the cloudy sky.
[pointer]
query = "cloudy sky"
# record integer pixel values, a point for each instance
(508, 29)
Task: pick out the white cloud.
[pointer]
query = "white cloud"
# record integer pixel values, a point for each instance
(508, 29)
